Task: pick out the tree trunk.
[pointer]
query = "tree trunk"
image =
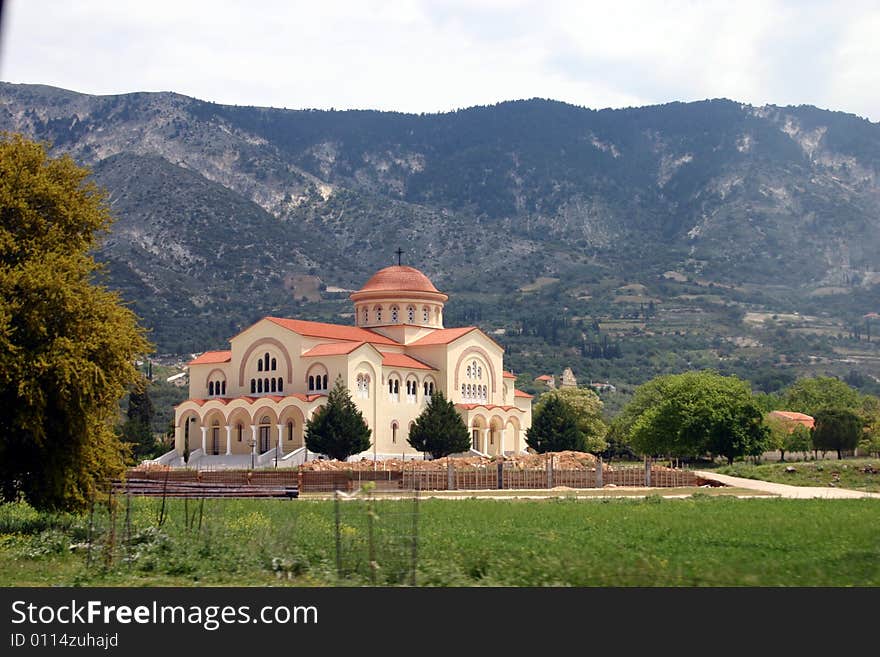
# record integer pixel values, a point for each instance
(729, 460)
(839, 457)
(782, 455)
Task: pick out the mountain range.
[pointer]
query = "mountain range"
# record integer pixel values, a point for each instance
(225, 214)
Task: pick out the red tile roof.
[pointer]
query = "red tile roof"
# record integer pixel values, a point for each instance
(470, 407)
(251, 400)
(799, 418)
(399, 278)
(333, 349)
(210, 357)
(508, 375)
(444, 336)
(544, 377)
(520, 393)
(402, 360)
(331, 331)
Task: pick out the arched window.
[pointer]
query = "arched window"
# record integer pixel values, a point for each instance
(211, 389)
(289, 431)
(253, 386)
(274, 385)
(363, 386)
(394, 388)
(468, 371)
(378, 314)
(259, 385)
(311, 383)
(223, 387)
(274, 365)
(463, 391)
(394, 432)
(266, 361)
(265, 385)
(366, 315)
(260, 365)
(411, 315)
(324, 387)
(394, 314)
(424, 314)
(280, 384)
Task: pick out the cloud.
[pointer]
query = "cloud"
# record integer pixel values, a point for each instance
(418, 55)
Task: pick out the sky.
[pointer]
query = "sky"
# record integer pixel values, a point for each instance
(431, 55)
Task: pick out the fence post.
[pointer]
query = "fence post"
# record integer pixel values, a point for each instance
(648, 471)
(598, 482)
(550, 472)
(500, 475)
(450, 475)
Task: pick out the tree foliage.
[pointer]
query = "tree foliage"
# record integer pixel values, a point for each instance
(67, 344)
(787, 436)
(338, 428)
(137, 430)
(837, 429)
(439, 429)
(695, 413)
(555, 428)
(812, 395)
(587, 408)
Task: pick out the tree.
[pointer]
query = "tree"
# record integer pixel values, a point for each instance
(812, 395)
(587, 408)
(695, 413)
(837, 429)
(67, 344)
(439, 429)
(137, 430)
(555, 428)
(338, 429)
(787, 436)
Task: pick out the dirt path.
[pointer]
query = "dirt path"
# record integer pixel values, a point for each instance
(785, 490)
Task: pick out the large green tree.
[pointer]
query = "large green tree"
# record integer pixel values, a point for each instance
(787, 436)
(695, 413)
(338, 428)
(439, 429)
(837, 429)
(587, 408)
(67, 344)
(555, 428)
(812, 395)
(137, 430)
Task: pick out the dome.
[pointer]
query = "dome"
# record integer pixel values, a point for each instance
(399, 278)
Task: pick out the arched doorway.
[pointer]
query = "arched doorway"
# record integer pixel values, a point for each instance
(264, 433)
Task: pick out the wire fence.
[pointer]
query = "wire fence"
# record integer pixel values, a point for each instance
(376, 542)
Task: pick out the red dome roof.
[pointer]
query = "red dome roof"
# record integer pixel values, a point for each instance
(399, 278)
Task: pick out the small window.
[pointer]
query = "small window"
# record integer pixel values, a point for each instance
(265, 385)
(378, 313)
(223, 388)
(324, 387)
(280, 384)
(274, 385)
(211, 389)
(411, 315)
(394, 314)
(260, 365)
(290, 432)
(238, 432)
(259, 385)
(366, 315)
(425, 315)
(311, 383)
(394, 432)
(274, 365)
(266, 361)
(253, 386)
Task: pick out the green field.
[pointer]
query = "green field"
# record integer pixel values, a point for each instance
(698, 541)
(857, 474)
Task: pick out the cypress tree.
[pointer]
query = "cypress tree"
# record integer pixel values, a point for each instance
(338, 429)
(555, 428)
(439, 429)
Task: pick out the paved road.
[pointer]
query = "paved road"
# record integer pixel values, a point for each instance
(785, 490)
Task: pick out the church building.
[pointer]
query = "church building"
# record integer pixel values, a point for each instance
(250, 403)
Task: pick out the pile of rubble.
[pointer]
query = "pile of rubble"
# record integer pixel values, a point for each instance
(567, 460)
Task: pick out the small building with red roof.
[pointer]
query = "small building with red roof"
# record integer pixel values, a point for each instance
(253, 399)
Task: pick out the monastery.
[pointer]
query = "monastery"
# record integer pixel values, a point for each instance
(250, 403)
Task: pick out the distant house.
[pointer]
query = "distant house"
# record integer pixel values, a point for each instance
(177, 379)
(547, 379)
(791, 418)
(599, 386)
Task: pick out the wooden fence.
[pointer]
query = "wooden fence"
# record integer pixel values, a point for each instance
(490, 477)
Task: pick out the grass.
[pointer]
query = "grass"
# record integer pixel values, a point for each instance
(857, 474)
(697, 541)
